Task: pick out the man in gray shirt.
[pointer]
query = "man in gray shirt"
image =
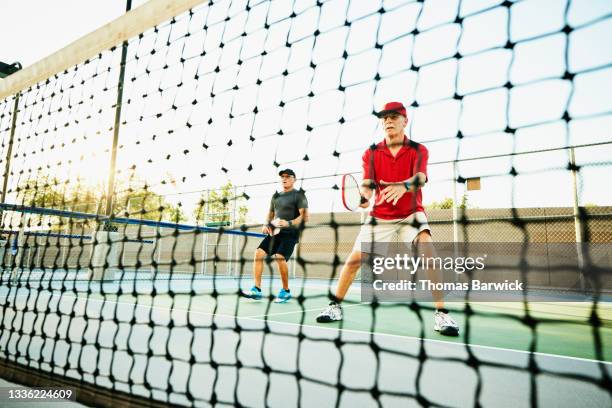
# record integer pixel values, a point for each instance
(288, 211)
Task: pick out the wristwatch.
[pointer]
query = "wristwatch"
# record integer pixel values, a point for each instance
(407, 185)
(290, 223)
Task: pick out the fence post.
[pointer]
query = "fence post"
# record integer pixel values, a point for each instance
(577, 219)
(9, 153)
(7, 169)
(113, 160)
(455, 205)
(203, 268)
(233, 219)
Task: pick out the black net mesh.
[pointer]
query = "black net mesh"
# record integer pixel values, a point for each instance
(142, 299)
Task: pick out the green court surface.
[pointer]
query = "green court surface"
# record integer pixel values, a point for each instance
(562, 328)
(215, 344)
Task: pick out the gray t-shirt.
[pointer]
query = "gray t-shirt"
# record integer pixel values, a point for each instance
(286, 205)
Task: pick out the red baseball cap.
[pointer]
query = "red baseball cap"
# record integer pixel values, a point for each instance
(395, 107)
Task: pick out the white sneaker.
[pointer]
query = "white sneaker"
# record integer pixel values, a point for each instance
(445, 324)
(332, 313)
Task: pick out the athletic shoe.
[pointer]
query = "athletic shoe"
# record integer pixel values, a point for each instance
(283, 296)
(255, 293)
(333, 313)
(445, 324)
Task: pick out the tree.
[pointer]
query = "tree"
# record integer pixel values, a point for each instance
(447, 204)
(216, 206)
(46, 191)
(464, 202)
(146, 205)
(43, 191)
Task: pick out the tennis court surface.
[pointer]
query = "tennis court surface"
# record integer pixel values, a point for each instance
(197, 348)
(139, 165)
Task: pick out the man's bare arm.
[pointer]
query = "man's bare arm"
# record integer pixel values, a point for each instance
(266, 227)
(393, 191)
(417, 181)
(367, 188)
(303, 217)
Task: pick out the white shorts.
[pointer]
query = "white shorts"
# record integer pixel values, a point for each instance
(399, 230)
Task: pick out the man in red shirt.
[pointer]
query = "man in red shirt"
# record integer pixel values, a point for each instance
(396, 169)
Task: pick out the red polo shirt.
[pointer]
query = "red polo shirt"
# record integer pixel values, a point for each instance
(379, 164)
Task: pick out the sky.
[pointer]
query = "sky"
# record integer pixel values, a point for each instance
(163, 148)
(33, 29)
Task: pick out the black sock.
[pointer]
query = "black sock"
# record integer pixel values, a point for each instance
(287, 290)
(443, 310)
(256, 287)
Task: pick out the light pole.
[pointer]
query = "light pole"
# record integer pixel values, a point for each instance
(8, 69)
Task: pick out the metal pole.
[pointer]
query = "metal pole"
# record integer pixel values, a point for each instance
(577, 219)
(111, 170)
(230, 249)
(205, 236)
(20, 247)
(9, 153)
(7, 167)
(158, 243)
(455, 205)
(455, 215)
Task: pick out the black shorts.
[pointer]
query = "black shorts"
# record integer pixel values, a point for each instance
(281, 244)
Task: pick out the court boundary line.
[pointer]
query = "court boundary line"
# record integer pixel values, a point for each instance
(293, 311)
(425, 338)
(363, 332)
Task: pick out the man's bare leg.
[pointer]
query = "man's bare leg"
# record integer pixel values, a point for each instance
(333, 312)
(258, 264)
(443, 323)
(347, 274)
(283, 269)
(424, 244)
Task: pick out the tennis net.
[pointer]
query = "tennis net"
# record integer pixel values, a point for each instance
(136, 174)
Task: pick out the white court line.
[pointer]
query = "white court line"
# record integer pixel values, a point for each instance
(589, 360)
(254, 317)
(293, 311)
(559, 356)
(337, 329)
